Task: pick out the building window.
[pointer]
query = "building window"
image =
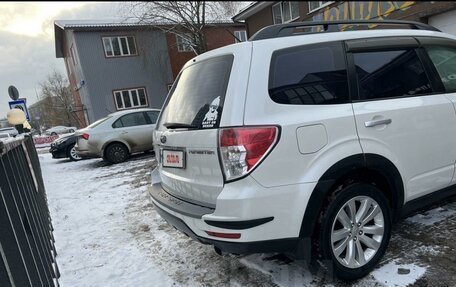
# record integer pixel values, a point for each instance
(315, 5)
(241, 35)
(131, 98)
(183, 44)
(119, 46)
(285, 11)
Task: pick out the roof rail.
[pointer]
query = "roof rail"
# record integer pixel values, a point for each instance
(284, 30)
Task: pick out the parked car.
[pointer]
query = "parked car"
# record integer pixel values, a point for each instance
(60, 130)
(9, 130)
(315, 146)
(118, 135)
(64, 148)
(4, 136)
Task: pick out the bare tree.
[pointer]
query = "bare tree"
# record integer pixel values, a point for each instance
(187, 19)
(57, 100)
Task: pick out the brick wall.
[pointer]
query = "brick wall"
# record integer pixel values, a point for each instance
(216, 37)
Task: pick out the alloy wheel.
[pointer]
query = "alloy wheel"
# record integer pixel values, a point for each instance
(73, 154)
(357, 231)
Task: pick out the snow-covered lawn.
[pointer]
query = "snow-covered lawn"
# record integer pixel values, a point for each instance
(108, 234)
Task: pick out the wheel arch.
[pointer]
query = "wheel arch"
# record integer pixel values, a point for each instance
(105, 146)
(370, 168)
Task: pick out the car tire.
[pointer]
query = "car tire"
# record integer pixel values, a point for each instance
(116, 153)
(351, 243)
(53, 134)
(71, 153)
(71, 131)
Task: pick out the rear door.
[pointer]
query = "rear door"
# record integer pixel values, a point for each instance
(401, 114)
(203, 97)
(135, 129)
(442, 56)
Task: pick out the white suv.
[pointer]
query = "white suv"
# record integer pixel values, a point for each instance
(309, 144)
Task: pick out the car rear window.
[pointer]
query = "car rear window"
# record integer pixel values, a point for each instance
(197, 97)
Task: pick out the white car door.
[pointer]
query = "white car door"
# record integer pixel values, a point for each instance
(401, 115)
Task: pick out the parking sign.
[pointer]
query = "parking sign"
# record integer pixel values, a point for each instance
(22, 105)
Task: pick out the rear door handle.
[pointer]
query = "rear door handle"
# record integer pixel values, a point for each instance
(374, 123)
(123, 132)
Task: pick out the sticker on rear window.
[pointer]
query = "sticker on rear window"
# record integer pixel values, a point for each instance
(210, 119)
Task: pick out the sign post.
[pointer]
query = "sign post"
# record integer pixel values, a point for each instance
(22, 105)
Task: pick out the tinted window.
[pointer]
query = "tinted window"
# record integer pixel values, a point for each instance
(444, 59)
(117, 124)
(153, 116)
(389, 74)
(309, 75)
(198, 96)
(130, 120)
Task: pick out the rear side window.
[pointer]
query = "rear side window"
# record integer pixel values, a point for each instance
(197, 98)
(390, 74)
(444, 59)
(153, 116)
(309, 75)
(130, 120)
(100, 121)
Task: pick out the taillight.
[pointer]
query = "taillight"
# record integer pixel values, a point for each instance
(242, 149)
(85, 136)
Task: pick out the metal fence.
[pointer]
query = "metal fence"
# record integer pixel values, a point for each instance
(27, 252)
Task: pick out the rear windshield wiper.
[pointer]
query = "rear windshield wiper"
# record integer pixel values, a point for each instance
(179, 126)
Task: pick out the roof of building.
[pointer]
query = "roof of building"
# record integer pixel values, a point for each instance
(120, 23)
(110, 25)
(253, 8)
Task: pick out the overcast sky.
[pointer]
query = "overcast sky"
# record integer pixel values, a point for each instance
(27, 52)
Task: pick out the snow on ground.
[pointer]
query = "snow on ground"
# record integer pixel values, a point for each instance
(433, 216)
(88, 214)
(108, 234)
(387, 274)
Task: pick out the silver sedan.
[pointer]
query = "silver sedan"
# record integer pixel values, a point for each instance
(118, 135)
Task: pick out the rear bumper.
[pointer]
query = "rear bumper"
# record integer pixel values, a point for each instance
(267, 219)
(86, 154)
(278, 245)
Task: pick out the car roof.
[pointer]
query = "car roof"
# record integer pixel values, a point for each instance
(124, 112)
(349, 35)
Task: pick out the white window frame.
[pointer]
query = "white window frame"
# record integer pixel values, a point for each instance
(117, 38)
(238, 35)
(184, 46)
(322, 5)
(281, 12)
(133, 106)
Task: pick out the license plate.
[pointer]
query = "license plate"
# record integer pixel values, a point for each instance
(173, 158)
